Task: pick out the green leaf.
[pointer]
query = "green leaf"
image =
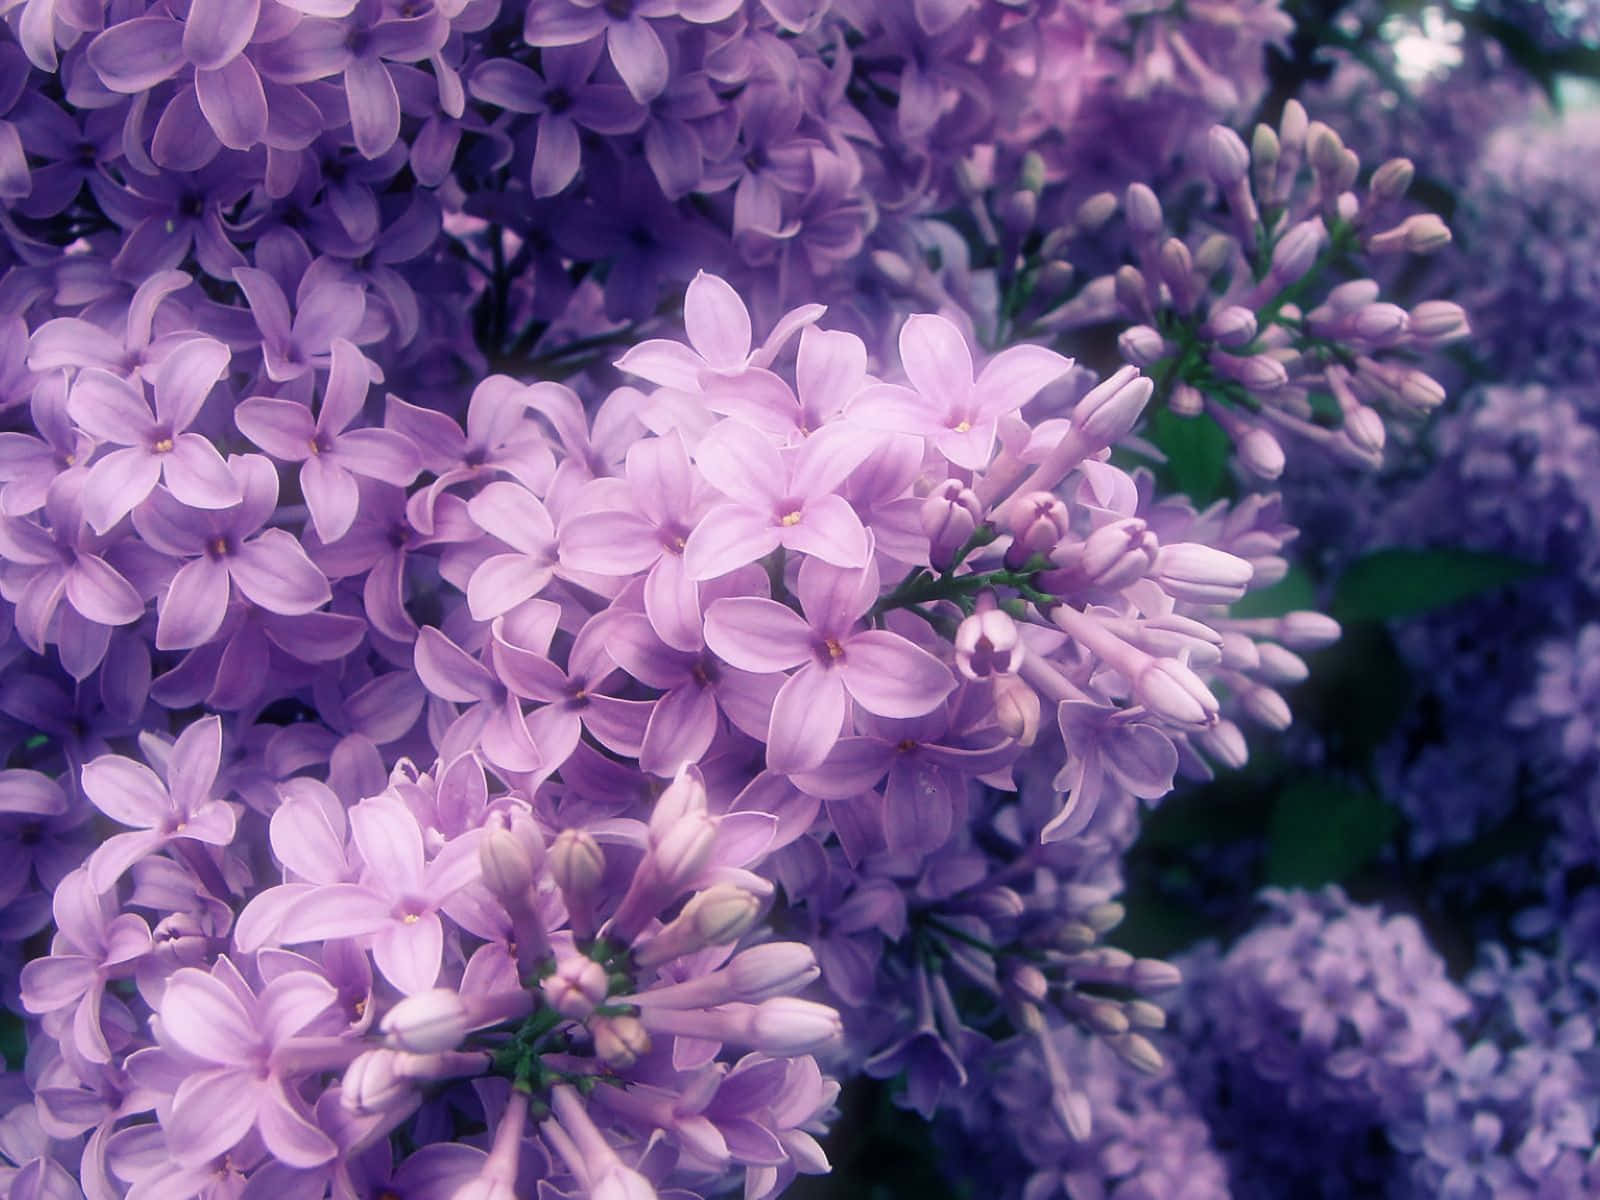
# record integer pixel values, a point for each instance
(1403, 583)
(1324, 831)
(1293, 593)
(1197, 453)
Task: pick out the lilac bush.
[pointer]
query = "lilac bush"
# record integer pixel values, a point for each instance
(583, 582)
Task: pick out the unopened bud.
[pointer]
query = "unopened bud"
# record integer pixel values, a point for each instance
(1297, 250)
(1257, 372)
(619, 1042)
(1131, 293)
(1281, 666)
(1201, 574)
(773, 969)
(1227, 157)
(1324, 149)
(1117, 554)
(1110, 410)
(1186, 401)
(1144, 1015)
(1143, 212)
(1140, 1053)
(950, 514)
(1106, 1017)
(1262, 456)
(1030, 981)
(1379, 323)
(1436, 322)
(1225, 742)
(1176, 265)
(1391, 180)
(576, 864)
(1423, 233)
(1032, 174)
(1215, 253)
(427, 1022)
(1365, 429)
(895, 269)
(1018, 211)
(1017, 710)
(1231, 325)
(1171, 690)
(1154, 975)
(371, 1084)
(1307, 630)
(1036, 522)
(787, 1027)
(1105, 916)
(507, 870)
(1096, 211)
(1141, 345)
(577, 987)
(1266, 708)
(1265, 151)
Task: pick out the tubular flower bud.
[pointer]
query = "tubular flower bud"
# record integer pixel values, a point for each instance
(576, 988)
(1422, 233)
(1227, 157)
(1231, 325)
(1143, 212)
(1391, 180)
(950, 514)
(1037, 521)
(1202, 574)
(619, 1041)
(1016, 708)
(428, 1022)
(1141, 345)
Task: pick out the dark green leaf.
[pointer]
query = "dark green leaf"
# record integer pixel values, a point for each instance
(1197, 453)
(1293, 593)
(1323, 831)
(1403, 583)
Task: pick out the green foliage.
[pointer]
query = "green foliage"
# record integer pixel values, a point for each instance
(1404, 583)
(1295, 592)
(1324, 831)
(1197, 452)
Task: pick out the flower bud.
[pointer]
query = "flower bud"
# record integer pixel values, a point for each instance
(1380, 323)
(1106, 916)
(372, 1084)
(1110, 410)
(1176, 266)
(507, 870)
(1141, 345)
(1171, 690)
(1263, 457)
(1117, 554)
(1016, 708)
(1140, 1053)
(1324, 149)
(1096, 211)
(1227, 157)
(1231, 325)
(1030, 981)
(1281, 666)
(1037, 521)
(1131, 293)
(786, 1026)
(577, 864)
(1265, 150)
(950, 514)
(775, 969)
(1257, 372)
(1144, 1015)
(1364, 427)
(619, 1042)
(1154, 975)
(1225, 742)
(1201, 574)
(683, 851)
(1215, 253)
(1391, 180)
(427, 1022)
(1265, 707)
(1032, 174)
(893, 268)
(1307, 630)
(576, 987)
(1106, 1017)
(1352, 294)
(988, 643)
(1018, 212)
(1186, 401)
(1297, 250)
(1143, 212)
(1423, 233)
(720, 914)
(1436, 322)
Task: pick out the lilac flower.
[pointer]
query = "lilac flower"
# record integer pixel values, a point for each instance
(332, 455)
(326, 309)
(94, 943)
(156, 446)
(269, 568)
(241, 1043)
(179, 810)
(881, 671)
(776, 498)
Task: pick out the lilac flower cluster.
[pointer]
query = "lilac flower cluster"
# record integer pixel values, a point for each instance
(1236, 318)
(823, 608)
(1326, 1021)
(1516, 1114)
(500, 698)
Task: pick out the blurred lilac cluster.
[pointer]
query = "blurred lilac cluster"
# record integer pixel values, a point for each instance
(558, 607)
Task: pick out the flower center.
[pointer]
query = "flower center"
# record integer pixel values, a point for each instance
(162, 445)
(790, 518)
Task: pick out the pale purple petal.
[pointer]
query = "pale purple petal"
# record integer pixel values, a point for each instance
(829, 529)
(185, 378)
(742, 464)
(288, 1134)
(639, 57)
(758, 635)
(234, 103)
(282, 428)
(274, 572)
(409, 954)
(374, 105)
(609, 543)
(807, 718)
(331, 495)
(717, 322)
(193, 608)
(889, 676)
(100, 593)
(204, 1017)
(196, 474)
(211, 1113)
(728, 537)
